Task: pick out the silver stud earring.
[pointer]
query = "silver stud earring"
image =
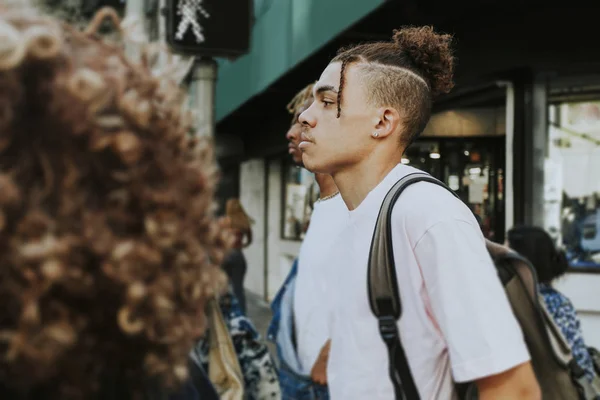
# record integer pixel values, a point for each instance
(375, 134)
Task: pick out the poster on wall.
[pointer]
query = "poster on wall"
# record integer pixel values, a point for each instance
(294, 210)
(476, 191)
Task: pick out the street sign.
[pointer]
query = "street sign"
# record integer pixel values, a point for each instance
(209, 27)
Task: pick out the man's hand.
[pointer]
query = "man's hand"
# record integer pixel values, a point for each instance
(319, 371)
(517, 383)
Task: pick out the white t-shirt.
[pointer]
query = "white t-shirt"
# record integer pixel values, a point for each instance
(456, 323)
(311, 296)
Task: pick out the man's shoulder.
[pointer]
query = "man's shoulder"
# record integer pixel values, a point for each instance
(425, 198)
(424, 205)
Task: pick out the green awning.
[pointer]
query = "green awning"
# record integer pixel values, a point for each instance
(285, 33)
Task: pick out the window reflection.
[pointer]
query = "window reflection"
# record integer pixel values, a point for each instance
(572, 181)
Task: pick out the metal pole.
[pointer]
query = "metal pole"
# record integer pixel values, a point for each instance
(135, 8)
(509, 199)
(202, 95)
(538, 150)
(134, 11)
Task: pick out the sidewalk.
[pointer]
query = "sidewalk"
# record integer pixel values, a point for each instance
(259, 313)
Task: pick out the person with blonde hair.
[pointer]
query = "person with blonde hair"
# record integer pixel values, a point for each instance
(235, 264)
(300, 309)
(110, 249)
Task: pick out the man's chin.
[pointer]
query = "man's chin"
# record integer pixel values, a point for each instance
(296, 155)
(297, 159)
(312, 165)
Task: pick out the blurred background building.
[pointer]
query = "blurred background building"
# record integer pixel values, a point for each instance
(518, 138)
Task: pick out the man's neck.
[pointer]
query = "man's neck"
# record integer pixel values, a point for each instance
(326, 184)
(356, 182)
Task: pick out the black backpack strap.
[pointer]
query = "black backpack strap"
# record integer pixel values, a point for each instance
(384, 296)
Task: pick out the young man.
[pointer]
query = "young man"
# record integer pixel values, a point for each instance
(300, 308)
(370, 103)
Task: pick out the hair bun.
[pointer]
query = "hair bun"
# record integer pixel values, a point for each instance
(431, 55)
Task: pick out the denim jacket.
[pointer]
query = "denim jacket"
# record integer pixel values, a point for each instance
(296, 383)
(276, 304)
(281, 328)
(260, 373)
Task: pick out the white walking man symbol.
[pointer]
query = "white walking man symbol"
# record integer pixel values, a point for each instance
(189, 10)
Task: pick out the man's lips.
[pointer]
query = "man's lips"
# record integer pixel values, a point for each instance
(305, 141)
(292, 148)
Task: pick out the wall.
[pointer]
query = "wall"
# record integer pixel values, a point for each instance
(467, 122)
(252, 196)
(269, 258)
(582, 289)
(281, 252)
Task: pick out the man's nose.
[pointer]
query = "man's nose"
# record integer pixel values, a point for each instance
(304, 119)
(292, 133)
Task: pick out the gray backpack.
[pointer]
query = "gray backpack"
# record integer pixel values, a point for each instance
(558, 374)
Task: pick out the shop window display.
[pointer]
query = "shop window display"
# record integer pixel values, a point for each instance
(572, 181)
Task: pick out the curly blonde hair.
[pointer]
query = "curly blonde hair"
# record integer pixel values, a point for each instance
(300, 102)
(109, 246)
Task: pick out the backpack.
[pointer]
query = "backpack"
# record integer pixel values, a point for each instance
(557, 372)
(595, 354)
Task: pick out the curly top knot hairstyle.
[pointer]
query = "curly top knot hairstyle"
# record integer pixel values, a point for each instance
(108, 244)
(406, 73)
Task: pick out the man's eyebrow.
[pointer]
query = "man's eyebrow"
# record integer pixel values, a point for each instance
(325, 88)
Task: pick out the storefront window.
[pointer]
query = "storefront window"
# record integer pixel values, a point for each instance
(300, 191)
(572, 181)
(473, 168)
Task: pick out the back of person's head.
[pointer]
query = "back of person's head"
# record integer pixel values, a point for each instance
(407, 73)
(537, 246)
(109, 247)
(237, 217)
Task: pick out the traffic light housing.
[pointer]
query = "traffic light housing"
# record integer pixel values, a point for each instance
(212, 28)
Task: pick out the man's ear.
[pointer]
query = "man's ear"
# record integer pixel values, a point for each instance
(386, 122)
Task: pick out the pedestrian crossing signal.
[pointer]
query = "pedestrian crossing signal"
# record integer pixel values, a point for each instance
(209, 27)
